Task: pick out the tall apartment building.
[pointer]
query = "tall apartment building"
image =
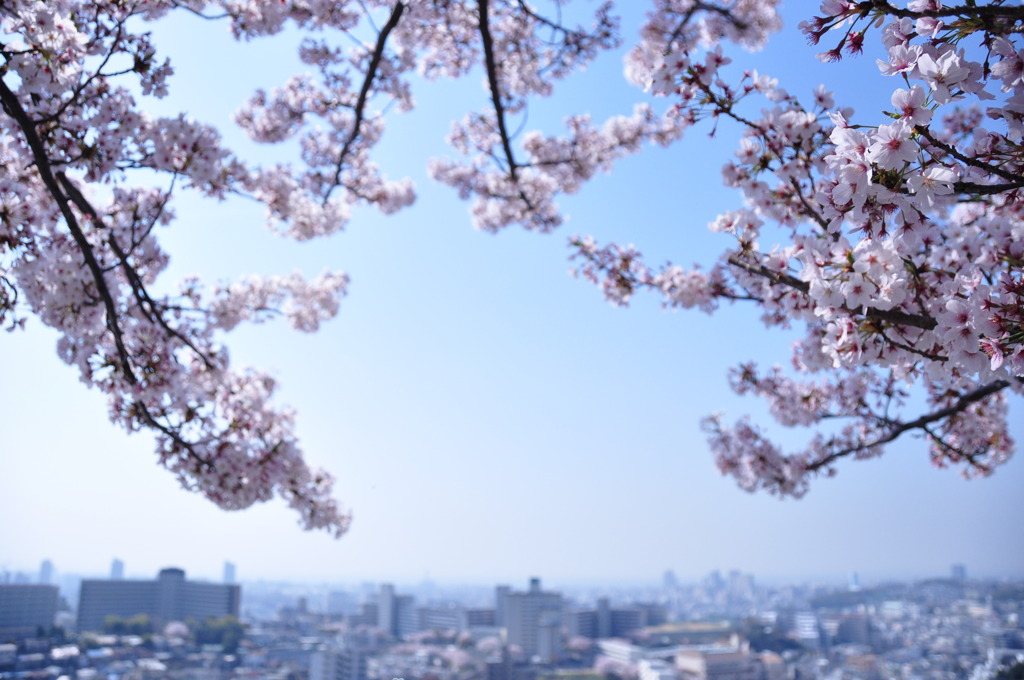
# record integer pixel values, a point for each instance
(24, 607)
(396, 614)
(169, 598)
(533, 621)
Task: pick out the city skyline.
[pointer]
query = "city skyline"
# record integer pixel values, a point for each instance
(522, 630)
(12, 573)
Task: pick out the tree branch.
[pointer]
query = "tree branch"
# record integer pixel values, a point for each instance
(491, 66)
(1013, 178)
(43, 166)
(984, 11)
(893, 316)
(364, 93)
(921, 423)
(152, 310)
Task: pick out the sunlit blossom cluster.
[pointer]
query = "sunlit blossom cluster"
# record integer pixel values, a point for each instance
(904, 258)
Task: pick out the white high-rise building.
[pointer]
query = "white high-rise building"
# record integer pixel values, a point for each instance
(533, 622)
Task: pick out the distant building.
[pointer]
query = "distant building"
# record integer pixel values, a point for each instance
(169, 598)
(855, 629)
(605, 622)
(448, 617)
(691, 633)
(440, 618)
(477, 618)
(504, 668)
(116, 570)
(229, 573)
(533, 622)
(340, 602)
(655, 669)
(24, 608)
(366, 616)
(723, 663)
(500, 593)
(396, 614)
(386, 608)
(338, 664)
(46, 572)
(622, 651)
(741, 586)
(806, 629)
(407, 619)
(959, 572)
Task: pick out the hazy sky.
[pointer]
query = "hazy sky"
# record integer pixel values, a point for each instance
(487, 416)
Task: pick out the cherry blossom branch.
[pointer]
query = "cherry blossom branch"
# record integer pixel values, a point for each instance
(14, 109)
(809, 210)
(908, 348)
(1014, 179)
(209, 17)
(893, 316)
(983, 11)
(555, 26)
(98, 73)
(364, 93)
(491, 68)
(155, 218)
(8, 300)
(148, 306)
(65, 194)
(705, 7)
(191, 449)
(921, 423)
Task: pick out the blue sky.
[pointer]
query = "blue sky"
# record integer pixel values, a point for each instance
(487, 416)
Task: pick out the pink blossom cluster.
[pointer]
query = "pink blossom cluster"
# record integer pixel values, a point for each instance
(84, 260)
(904, 262)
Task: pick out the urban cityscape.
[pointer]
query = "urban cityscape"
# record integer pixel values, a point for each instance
(726, 626)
